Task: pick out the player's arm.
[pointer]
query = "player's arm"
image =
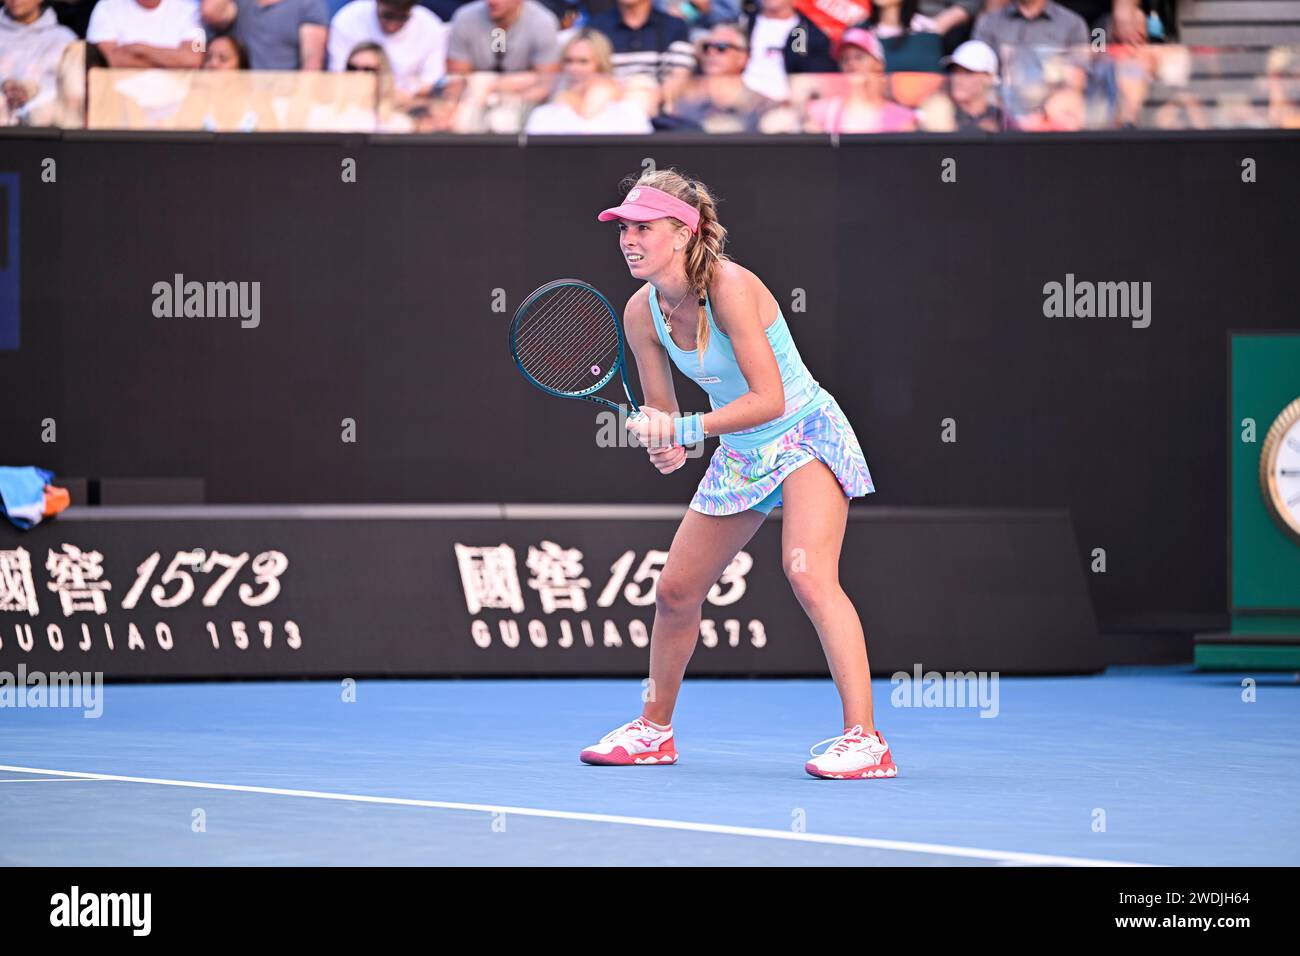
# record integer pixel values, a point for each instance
(655, 373)
(735, 301)
(652, 364)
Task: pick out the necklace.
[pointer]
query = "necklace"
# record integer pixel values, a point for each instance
(668, 322)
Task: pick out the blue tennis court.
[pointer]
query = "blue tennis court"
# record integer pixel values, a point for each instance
(1138, 766)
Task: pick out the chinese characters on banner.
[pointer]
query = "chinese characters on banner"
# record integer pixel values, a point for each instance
(490, 577)
(77, 577)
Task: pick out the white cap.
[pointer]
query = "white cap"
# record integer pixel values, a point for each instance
(976, 56)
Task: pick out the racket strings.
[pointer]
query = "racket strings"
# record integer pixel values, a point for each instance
(547, 316)
(572, 326)
(584, 378)
(590, 366)
(554, 324)
(564, 357)
(559, 326)
(567, 340)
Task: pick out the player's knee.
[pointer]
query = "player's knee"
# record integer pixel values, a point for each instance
(812, 590)
(674, 593)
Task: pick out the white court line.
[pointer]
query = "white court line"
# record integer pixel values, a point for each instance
(43, 780)
(871, 843)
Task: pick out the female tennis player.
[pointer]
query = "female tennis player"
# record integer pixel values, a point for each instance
(784, 441)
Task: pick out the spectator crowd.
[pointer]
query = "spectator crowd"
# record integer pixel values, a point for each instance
(631, 66)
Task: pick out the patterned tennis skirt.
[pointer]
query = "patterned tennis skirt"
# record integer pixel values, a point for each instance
(739, 480)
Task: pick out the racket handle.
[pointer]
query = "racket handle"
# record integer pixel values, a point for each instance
(640, 416)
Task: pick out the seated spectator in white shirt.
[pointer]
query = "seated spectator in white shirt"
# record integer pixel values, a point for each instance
(412, 37)
(31, 43)
(588, 99)
(528, 39)
(140, 34)
(768, 36)
(279, 34)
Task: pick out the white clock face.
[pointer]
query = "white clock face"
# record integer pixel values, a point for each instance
(1282, 473)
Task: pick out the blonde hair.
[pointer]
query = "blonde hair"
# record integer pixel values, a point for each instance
(602, 50)
(704, 250)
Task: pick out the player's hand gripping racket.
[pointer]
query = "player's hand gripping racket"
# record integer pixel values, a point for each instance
(567, 340)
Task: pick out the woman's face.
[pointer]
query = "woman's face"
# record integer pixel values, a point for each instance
(222, 55)
(858, 62)
(365, 61)
(580, 61)
(648, 247)
(866, 74)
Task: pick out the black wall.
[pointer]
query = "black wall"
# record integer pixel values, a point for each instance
(924, 301)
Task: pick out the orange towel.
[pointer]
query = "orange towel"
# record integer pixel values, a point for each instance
(56, 499)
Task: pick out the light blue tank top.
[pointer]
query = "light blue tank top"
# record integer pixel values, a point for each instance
(720, 375)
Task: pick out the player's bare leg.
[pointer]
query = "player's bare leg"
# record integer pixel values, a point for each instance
(701, 550)
(814, 514)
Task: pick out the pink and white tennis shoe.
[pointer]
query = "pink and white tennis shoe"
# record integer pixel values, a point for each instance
(632, 744)
(853, 755)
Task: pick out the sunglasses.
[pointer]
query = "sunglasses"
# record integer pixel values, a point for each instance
(719, 47)
(353, 68)
(394, 16)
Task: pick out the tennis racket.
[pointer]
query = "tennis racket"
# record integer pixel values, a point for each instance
(567, 340)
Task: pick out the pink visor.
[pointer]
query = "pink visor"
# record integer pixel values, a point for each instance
(864, 40)
(645, 203)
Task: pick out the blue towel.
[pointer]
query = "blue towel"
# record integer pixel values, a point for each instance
(22, 494)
